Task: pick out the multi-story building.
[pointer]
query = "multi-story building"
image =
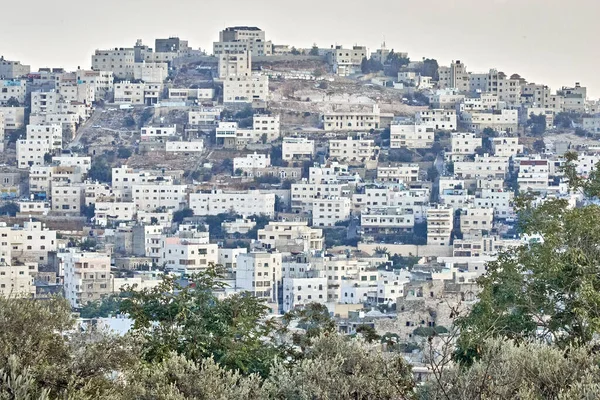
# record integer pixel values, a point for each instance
(120, 61)
(112, 211)
(150, 72)
(500, 120)
(12, 69)
(102, 81)
(353, 149)
(245, 89)
(445, 98)
(398, 173)
(243, 38)
(16, 281)
(440, 222)
(455, 76)
(485, 166)
(188, 255)
(590, 124)
(12, 117)
(149, 197)
(506, 146)
(10, 89)
(129, 93)
(303, 289)
(348, 61)
(234, 63)
(574, 98)
(304, 193)
(286, 235)
(387, 220)
(534, 175)
(268, 125)
(348, 120)
(159, 133)
(67, 199)
(439, 119)
(250, 202)
(51, 133)
(412, 136)
(297, 149)
(327, 211)
(87, 276)
(483, 102)
(473, 219)
(251, 162)
(501, 201)
(171, 45)
(205, 116)
(260, 273)
(31, 152)
(464, 145)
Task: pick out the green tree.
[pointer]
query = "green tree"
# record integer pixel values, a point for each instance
(314, 51)
(108, 306)
(89, 211)
(180, 215)
(364, 66)
(430, 68)
(537, 124)
(432, 173)
(194, 322)
(123, 152)
(129, 121)
(100, 171)
(547, 288)
(393, 63)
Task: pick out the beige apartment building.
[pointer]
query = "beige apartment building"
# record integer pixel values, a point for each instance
(348, 61)
(365, 119)
(245, 89)
(120, 61)
(440, 222)
(454, 77)
(235, 63)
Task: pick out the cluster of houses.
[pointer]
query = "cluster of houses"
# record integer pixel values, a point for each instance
(392, 243)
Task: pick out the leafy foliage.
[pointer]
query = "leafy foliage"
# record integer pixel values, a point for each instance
(10, 209)
(180, 215)
(194, 322)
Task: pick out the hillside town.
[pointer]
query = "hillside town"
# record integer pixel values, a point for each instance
(371, 183)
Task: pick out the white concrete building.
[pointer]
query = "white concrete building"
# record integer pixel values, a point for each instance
(87, 276)
(150, 72)
(10, 89)
(299, 149)
(590, 124)
(158, 133)
(73, 160)
(353, 149)
(243, 38)
(298, 292)
(16, 281)
(129, 93)
(32, 152)
(67, 199)
(245, 89)
(105, 212)
(12, 69)
(506, 146)
(485, 102)
(250, 202)
(149, 197)
(348, 61)
(440, 222)
(485, 166)
(349, 120)
(534, 175)
(327, 211)
(282, 235)
(204, 116)
(235, 63)
(502, 120)
(501, 201)
(268, 125)
(439, 119)
(464, 146)
(398, 173)
(240, 225)
(188, 255)
(251, 162)
(50, 133)
(121, 61)
(260, 274)
(12, 117)
(473, 220)
(387, 220)
(303, 194)
(412, 136)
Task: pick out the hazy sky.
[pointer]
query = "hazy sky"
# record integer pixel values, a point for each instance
(545, 41)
